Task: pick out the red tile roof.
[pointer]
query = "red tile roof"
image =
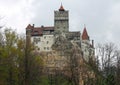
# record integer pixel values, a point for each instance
(61, 8)
(85, 35)
(29, 26)
(39, 30)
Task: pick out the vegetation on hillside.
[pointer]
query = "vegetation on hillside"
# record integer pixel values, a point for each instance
(21, 65)
(18, 64)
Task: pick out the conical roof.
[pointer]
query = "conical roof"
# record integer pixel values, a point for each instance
(61, 8)
(85, 34)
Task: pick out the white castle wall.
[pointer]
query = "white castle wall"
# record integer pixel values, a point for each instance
(43, 43)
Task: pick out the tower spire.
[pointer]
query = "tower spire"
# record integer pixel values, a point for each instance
(85, 34)
(61, 8)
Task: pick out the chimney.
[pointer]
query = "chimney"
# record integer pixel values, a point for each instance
(33, 25)
(42, 26)
(93, 43)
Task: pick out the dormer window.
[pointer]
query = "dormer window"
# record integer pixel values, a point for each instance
(36, 40)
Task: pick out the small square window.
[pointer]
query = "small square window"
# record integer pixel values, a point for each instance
(38, 48)
(34, 39)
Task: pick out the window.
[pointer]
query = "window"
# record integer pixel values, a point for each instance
(36, 40)
(44, 48)
(44, 37)
(47, 42)
(63, 31)
(38, 48)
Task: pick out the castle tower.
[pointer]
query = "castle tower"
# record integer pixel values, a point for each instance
(61, 20)
(28, 31)
(28, 35)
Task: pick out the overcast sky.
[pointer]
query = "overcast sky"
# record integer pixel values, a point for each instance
(101, 17)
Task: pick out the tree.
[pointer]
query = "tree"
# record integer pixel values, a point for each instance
(117, 78)
(8, 57)
(13, 60)
(75, 64)
(29, 62)
(107, 54)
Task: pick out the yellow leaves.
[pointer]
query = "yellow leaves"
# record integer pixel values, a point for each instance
(10, 37)
(21, 43)
(15, 56)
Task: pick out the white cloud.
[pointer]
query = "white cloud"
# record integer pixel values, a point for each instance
(100, 16)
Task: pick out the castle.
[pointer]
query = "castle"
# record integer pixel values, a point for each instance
(44, 37)
(63, 49)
